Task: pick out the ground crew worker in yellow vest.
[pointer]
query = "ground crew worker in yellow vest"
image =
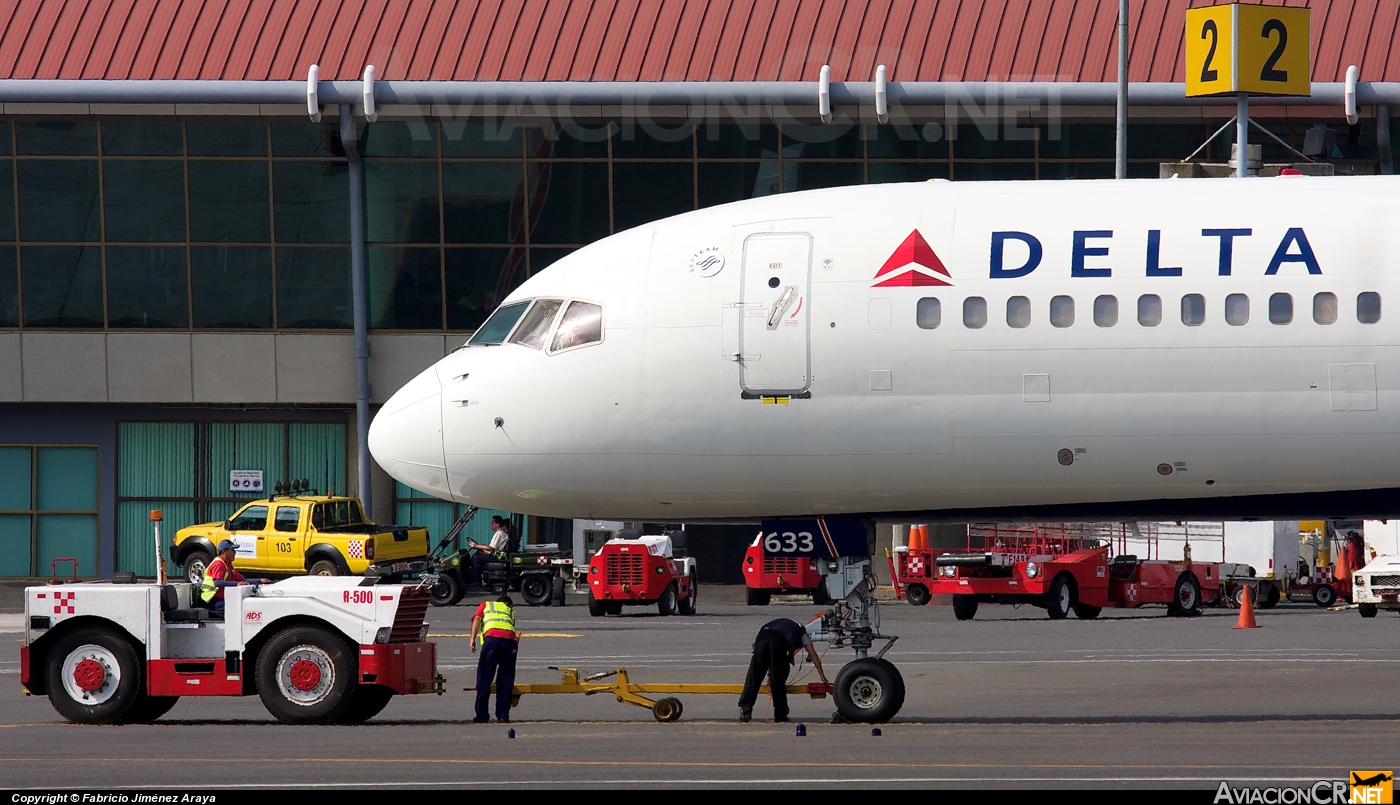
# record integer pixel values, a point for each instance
(219, 574)
(495, 620)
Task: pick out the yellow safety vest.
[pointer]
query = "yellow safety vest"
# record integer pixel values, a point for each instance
(497, 616)
(207, 588)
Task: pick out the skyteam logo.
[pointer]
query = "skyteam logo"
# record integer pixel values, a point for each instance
(912, 264)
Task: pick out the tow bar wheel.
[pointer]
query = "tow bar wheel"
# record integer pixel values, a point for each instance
(667, 709)
(94, 677)
(306, 675)
(869, 691)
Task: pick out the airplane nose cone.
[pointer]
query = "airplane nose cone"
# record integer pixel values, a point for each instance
(405, 438)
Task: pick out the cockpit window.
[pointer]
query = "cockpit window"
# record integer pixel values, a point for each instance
(535, 327)
(496, 328)
(582, 324)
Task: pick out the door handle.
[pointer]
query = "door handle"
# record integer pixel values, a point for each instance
(780, 307)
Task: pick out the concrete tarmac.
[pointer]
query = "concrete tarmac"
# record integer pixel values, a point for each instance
(1134, 699)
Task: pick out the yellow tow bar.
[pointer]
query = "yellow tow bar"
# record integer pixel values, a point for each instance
(629, 692)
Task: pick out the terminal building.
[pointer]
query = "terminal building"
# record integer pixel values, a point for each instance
(179, 249)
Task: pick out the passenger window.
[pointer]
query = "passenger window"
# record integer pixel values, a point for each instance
(496, 328)
(288, 518)
(1149, 310)
(1280, 308)
(1193, 310)
(975, 312)
(581, 325)
(535, 326)
(1018, 312)
(1106, 311)
(1061, 311)
(1325, 308)
(929, 313)
(1368, 307)
(253, 518)
(1237, 310)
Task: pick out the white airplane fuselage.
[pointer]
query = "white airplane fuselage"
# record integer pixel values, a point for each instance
(753, 364)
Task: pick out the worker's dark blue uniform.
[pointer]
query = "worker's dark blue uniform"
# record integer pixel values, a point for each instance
(499, 644)
(772, 657)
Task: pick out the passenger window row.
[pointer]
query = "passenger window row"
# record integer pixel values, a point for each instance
(929, 313)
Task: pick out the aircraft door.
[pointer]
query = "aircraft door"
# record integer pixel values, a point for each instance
(774, 335)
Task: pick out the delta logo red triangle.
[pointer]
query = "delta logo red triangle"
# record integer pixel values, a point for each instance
(913, 264)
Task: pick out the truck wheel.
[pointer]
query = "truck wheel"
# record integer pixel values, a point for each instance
(755, 597)
(446, 591)
(365, 703)
(666, 604)
(917, 594)
(1325, 595)
(1085, 612)
(820, 597)
(306, 675)
(1061, 599)
(869, 691)
(612, 607)
(964, 606)
(194, 566)
(596, 608)
(536, 589)
(1367, 610)
(1186, 596)
(324, 567)
(94, 676)
(687, 604)
(556, 591)
(149, 708)
(1271, 598)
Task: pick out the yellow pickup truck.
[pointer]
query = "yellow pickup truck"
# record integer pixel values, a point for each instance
(297, 534)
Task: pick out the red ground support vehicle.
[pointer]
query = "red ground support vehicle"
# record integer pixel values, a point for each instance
(643, 570)
(765, 574)
(1324, 587)
(1061, 571)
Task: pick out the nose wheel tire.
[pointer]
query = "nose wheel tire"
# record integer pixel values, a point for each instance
(306, 675)
(94, 677)
(1061, 599)
(869, 691)
(917, 595)
(667, 710)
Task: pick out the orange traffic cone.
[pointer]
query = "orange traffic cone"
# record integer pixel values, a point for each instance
(1246, 620)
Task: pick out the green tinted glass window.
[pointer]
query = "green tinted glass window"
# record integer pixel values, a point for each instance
(59, 138)
(399, 138)
(313, 288)
(16, 545)
(477, 201)
(311, 202)
(226, 138)
(653, 141)
(646, 191)
(7, 196)
(572, 198)
(483, 139)
(9, 287)
(722, 182)
(401, 202)
(62, 286)
(405, 287)
(569, 141)
(231, 286)
(736, 141)
(813, 175)
(142, 138)
(477, 280)
(229, 201)
(144, 199)
(907, 171)
(306, 139)
(823, 142)
(67, 478)
(16, 478)
(67, 536)
(58, 200)
(147, 287)
(5, 149)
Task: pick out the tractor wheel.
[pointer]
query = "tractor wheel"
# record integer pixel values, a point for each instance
(820, 597)
(964, 606)
(1325, 595)
(306, 675)
(869, 691)
(755, 597)
(556, 591)
(94, 676)
(1237, 596)
(365, 703)
(687, 604)
(149, 708)
(1061, 598)
(536, 589)
(612, 607)
(596, 608)
(1186, 596)
(447, 591)
(667, 605)
(194, 566)
(324, 567)
(1367, 610)
(917, 594)
(1085, 612)
(667, 709)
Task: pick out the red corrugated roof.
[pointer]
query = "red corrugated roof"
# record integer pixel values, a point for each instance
(643, 40)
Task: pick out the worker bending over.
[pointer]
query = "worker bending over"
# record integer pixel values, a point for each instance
(773, 652)
(495, 620)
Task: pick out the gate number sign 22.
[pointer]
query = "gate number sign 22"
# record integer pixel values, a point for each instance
(1270, 47)
(788, 542)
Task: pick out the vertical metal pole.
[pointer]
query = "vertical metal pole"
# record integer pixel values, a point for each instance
(1120, 162)
(1383, 140)
(361, 307)
(1242, 134)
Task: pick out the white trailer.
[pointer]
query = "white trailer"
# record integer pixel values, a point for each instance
(316, 649)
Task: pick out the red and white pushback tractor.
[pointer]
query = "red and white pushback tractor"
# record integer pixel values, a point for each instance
(317, 649)
(643, 570)
(767, 570)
